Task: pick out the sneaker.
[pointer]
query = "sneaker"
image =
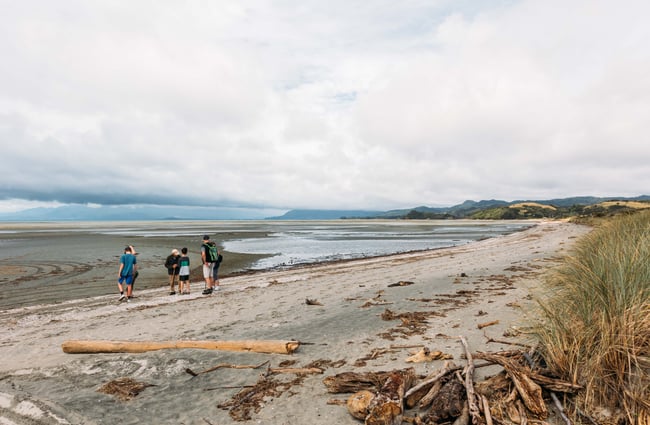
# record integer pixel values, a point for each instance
(172, 293)
(122, 296)
(216, 288)
(128, 299)
(207, 291)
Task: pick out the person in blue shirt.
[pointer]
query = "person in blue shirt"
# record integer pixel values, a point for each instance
(128, 268)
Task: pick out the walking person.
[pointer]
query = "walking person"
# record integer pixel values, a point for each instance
(128, 268)
(172, 270)
(208, 258)
(184, 273)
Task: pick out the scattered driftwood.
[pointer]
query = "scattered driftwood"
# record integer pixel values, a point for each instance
(450, 395)
(401, 283)
(123, 388)
(312, 302)
(257, 346)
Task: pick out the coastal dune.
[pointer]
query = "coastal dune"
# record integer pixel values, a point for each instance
(345, 315)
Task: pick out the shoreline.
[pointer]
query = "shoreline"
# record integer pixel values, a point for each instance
(456, 288)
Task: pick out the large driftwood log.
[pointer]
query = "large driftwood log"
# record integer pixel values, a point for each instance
(256, 346)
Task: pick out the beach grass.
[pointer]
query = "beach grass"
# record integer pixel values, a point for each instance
(595, 325)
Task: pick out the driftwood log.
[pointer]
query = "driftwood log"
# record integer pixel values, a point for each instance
(256, 346)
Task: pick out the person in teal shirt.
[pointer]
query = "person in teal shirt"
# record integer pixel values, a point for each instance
(128, 268)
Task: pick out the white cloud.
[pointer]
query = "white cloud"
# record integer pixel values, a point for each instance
(326, 105)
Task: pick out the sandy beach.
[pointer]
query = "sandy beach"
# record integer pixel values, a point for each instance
(346, 328)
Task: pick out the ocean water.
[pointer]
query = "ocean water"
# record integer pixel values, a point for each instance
(291, 243)
(54, 262)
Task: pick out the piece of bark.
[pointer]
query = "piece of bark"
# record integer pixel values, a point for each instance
(432, 393)
(449, 402)
(351, 382)
(426, 355)
(257, 346)
(463, 419)
(401, 283)
(387, 406)
(424, 392)
(358, 403)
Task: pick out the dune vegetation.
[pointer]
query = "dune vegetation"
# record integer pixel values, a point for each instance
(594, 328)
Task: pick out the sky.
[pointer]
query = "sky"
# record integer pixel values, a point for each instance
(343, 104)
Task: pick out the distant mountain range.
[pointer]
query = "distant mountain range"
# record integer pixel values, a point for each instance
(463, 210)
(137, 213)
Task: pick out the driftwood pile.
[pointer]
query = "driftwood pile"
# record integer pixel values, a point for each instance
(517, 395)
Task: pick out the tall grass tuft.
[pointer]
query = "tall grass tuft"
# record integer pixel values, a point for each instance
(595, 326)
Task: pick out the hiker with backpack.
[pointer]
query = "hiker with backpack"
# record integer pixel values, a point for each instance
(172, 270)
(209, 255)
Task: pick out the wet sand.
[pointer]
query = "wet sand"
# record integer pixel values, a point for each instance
(455, 289)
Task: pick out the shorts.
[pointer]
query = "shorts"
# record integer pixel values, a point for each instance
(173, 271)
(184, 277)
(207, 270)
(126, 279)
(215, 273)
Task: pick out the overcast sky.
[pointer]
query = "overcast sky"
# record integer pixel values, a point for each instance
(338, 104)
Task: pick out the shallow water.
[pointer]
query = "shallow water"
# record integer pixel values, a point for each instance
(54, 262)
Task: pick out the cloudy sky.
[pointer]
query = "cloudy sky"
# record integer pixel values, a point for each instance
(344, 104)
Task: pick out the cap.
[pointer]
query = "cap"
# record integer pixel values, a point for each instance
(174, 251)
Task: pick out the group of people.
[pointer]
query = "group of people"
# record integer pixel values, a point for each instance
(178, 265)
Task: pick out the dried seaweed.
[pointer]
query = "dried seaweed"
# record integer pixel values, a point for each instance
(124, 389)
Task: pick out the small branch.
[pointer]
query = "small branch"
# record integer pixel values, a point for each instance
(486, 410)
(559, 406)
(486, 324)
(224, 365)
(469, 385)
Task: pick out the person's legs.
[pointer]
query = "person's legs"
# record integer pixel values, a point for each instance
(129, 287)
(172, 281)
(207, 275)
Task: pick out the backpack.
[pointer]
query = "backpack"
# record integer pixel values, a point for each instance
(211, 253)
